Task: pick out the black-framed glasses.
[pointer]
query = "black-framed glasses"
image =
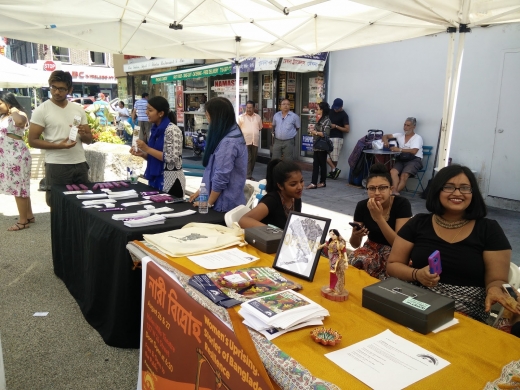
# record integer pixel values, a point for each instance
(379, 188)
(60, 89)
(451, 189)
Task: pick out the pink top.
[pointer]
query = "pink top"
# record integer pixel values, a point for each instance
(8, 122)
(250, 126)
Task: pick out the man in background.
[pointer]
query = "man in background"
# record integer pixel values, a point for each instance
(251, 124)
(139, 116)
(339, 124)
(65, 161)
(285, 129)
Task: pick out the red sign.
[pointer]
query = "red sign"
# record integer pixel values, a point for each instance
(49, 66)
(185, 346)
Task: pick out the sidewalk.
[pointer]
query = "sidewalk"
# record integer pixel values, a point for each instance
(61, 350)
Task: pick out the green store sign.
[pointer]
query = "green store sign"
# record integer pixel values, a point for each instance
(192, 74)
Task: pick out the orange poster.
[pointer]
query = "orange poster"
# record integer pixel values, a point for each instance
(185, 346)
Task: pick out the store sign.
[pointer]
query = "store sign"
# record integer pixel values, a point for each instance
(301, 65)
(228, 85)
(254, 64)
(192, 74)
(80, 73)
(158, 63)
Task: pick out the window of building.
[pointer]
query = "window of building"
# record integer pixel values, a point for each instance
(97, 58)
(60, 54)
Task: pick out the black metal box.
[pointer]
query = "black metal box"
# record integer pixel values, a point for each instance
(265, 238)
(414, 307)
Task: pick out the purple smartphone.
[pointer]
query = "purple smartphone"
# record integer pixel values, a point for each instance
(435, 263)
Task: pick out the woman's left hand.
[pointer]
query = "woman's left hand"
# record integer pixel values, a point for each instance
(427, 279)
(142, 145)
(376, 209)
(496, 294)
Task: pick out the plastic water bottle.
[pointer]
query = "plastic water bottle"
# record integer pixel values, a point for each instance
(203, 199)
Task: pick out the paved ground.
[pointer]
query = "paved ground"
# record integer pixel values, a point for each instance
(61, 351)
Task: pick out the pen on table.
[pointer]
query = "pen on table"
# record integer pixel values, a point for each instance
(114, 209)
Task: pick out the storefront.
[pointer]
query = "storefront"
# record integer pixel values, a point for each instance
(265, 81)
(87, 81)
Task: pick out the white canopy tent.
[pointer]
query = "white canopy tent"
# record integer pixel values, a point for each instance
(236, 29)
(13, 75)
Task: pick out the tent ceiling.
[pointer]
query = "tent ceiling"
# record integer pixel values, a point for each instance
(209, 27)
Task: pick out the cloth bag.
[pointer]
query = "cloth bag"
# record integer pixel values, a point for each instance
(195, 238)
(405, 157)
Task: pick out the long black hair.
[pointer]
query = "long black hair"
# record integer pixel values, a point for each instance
(162, 105)
(476, 209)
(10, 99)
(336, 232)
(278, 171)
(325, 109)
(222, 120)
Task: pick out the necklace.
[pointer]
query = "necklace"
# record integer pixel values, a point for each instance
(387, 215)
(285, 208)
(448, 224)
(458, 232)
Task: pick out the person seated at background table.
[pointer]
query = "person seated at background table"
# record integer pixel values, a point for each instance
(163, 152)
(284, 192)
(225, 157)
(475, 253)
(409, 161)
(380, 218)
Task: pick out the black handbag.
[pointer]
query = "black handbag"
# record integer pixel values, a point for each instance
(405, 157)
(324, 143)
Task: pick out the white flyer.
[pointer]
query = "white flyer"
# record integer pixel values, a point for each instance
(387, 361)
(227, 258)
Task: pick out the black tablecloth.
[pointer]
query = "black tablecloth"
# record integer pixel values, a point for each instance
(89, 254)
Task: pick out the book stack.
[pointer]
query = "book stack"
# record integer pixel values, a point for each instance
(281, 312)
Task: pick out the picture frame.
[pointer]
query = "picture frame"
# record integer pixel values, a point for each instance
(298, 252)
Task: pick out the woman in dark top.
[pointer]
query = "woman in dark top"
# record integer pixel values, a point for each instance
(319, 157)
(284, 191)
(380, 216)
(475, 253)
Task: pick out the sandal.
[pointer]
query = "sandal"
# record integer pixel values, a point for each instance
(312, 187)
(30, 220)
(18, 226)
(322, 185)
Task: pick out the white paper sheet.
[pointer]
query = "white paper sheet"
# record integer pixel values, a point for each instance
(387, 361)
(228, 258)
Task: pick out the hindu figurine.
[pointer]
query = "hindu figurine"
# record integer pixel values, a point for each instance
(337, 250)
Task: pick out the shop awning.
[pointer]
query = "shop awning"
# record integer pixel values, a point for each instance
(193, 73)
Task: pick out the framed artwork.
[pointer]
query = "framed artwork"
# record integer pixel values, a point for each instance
(298, 253)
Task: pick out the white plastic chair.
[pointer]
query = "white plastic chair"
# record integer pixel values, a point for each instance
(514, 280)
(234, 215)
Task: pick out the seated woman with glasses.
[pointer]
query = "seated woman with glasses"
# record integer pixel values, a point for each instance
(475, 253)
(284, 192)
(379, 217)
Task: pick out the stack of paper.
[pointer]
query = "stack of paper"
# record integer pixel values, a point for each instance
(286, 310)
(123, 194)
(91, 196)
(140, 214)
(147, 221)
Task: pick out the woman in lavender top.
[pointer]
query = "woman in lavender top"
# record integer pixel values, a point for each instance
(225, 158)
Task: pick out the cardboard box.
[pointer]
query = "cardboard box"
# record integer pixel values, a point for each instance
(265, 238)
(414, 307)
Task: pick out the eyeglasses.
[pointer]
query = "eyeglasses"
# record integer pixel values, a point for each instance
(463, 189)
(60, 89)
(380, 188)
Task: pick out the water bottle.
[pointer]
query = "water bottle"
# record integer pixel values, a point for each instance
(203, 199)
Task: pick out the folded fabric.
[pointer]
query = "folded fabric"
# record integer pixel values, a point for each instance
(139, 214)
(148, 221)
(194, 238)
(180, 214)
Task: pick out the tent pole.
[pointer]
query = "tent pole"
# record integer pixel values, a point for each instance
(445, 104)
(237, 77)
(445, 142)
(445, 145)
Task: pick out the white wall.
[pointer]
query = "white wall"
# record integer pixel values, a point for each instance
(382, 85)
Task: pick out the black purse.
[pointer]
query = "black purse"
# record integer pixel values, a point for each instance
(405, 157)
(324, 143)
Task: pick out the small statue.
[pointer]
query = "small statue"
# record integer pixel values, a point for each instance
(337, 261)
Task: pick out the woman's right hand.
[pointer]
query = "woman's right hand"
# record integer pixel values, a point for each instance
(359, 233)
(427, 279)
(194, 196)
